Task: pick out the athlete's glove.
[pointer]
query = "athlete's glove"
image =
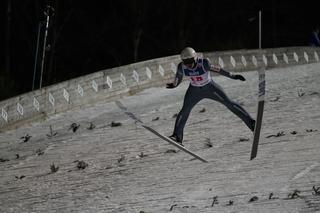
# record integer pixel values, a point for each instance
(170, 86)
(238, 77)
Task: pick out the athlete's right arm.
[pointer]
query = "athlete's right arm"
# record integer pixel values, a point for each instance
(177, 79)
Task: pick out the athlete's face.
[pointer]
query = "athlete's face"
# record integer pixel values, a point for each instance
(189, 62)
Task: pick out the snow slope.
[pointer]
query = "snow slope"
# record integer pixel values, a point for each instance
(131, 170)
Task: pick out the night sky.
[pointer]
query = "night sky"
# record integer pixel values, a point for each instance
(88, 36)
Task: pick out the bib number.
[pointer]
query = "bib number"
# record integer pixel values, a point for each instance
(196, 78)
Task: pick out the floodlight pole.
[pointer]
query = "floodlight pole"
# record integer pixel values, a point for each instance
(36, 58)
(260, 29)
(47, 12)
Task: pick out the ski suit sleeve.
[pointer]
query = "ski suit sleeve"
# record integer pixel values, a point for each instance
(179, 75)
(215, 68)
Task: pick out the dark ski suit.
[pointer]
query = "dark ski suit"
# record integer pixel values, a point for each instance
(202, 86)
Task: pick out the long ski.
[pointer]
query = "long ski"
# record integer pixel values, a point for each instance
(257, 129)
(165, 138)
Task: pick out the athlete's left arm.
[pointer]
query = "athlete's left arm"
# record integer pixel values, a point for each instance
(214, 68)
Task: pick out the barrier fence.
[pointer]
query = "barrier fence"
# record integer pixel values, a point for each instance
(110, 84)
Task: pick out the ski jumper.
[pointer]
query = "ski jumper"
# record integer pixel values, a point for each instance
(202, 86)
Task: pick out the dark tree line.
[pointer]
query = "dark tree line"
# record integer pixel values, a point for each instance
(87, 36)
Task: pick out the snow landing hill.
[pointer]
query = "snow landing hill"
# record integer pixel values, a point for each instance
(95, 159)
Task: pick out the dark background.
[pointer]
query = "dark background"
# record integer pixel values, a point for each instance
(87, 36)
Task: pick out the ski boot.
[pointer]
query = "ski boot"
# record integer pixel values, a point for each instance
(176, 139)
(252, 124)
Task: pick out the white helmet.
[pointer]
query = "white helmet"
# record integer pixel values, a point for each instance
(188, 53)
